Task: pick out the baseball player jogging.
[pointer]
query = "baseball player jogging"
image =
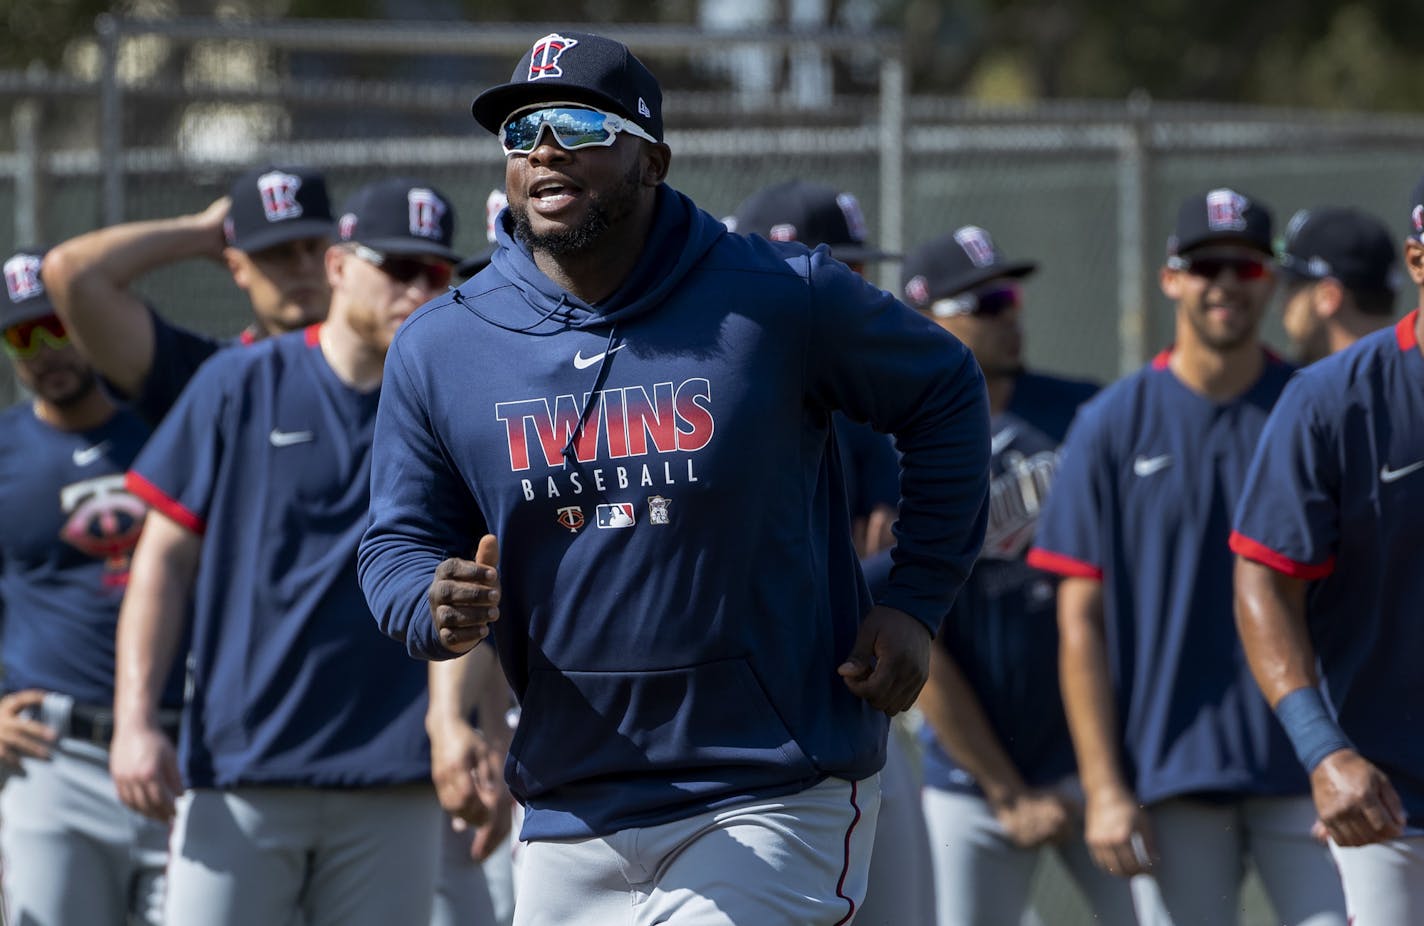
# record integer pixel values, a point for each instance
(1327, 590)
(999, 773)
(637, 405)
(304, 766)
(1184, 771)
(71, 852)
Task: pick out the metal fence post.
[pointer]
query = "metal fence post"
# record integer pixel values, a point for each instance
(1134, 189)
(111, 120)
(893, 101)
(25, 122)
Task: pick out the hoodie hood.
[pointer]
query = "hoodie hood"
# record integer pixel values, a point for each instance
(680, 236)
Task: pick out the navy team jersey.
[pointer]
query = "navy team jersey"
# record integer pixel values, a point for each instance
(1149, 478)
(68, 532)
(267, 455)
(1003, 629)
(1336, 495)
(870, 465)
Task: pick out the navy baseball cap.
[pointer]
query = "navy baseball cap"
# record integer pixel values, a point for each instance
(1221, 216)
(26, 299)
(400, 216)
(1347, 244)
(274, 205)
(811, 213)
(577, 67)
(955, 263)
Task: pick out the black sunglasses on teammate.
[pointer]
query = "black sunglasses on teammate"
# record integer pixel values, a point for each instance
(407, 269)
(1209, 268)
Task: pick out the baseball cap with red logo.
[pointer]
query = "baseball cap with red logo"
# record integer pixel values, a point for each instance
(577, 67)
(26, 299)
(811, 213)
(399, 215)
(274, 205)
(1221, 216)
(955, 263)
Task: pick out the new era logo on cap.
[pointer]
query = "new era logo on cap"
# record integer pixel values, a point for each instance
(544, 56)
(22, 277)
(1226, 210)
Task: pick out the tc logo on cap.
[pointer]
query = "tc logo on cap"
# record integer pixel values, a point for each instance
(783, 232)
(279, 195)
(544, 57)
(22, 277)
(1226, 210)
(918, 290)
(426, 211)
(346, 227)
(977, 244)
(855, 219)
(1418, 216)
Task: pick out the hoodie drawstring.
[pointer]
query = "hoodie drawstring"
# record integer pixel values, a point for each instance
(569, 453)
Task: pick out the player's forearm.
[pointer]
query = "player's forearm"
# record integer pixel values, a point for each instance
(113, 257)
(1270, 617)
(459, 686)
(1087, 688)
(954, 713)
(152, 618)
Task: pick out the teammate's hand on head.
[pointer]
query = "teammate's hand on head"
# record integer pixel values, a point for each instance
(144, 766)
(1118, 834)
(1356, 802)
(1034, 817)
(20, 736)
(210, 223)
(464, 597)
(890, 661)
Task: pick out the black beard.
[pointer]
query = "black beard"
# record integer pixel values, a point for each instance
(604, 211)
(88, 383)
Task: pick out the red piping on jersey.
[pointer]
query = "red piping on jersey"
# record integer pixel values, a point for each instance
(1161, 361)
(845, 864)
(1260, 553)
(1404, 332)
(1059, 564)
(156, 498)
(314, 335)
(247, 338)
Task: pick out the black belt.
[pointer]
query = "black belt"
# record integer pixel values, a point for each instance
(96, 724)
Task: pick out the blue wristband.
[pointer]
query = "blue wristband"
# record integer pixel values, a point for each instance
(1311, 727)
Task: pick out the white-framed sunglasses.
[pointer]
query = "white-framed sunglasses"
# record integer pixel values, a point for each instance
(575, 126)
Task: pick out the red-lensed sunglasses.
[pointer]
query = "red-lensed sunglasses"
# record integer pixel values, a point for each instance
(25, 339)
(1247, 269)
(407, 269)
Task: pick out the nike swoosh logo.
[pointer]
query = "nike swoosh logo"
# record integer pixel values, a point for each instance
(583, 363)
(1394, 475)
(1146, 466)
(1002, 440)
(288, 438)
(90, 454)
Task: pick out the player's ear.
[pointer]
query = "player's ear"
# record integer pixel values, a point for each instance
(240, 266)
(1171, 282)
(335, 259)
(657, 158)
(1326, 297)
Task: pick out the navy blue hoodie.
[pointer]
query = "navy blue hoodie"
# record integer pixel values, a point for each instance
(679, 583)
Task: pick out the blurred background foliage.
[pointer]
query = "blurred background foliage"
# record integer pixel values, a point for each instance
(1314, 53)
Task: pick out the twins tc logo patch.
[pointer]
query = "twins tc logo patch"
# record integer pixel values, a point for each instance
(658, 509)
(918, 290)
(784, 231)
(977, 245)
(544, 56)
(612, 517)
(1226, 210)
(571, 518)
(855, 219)
(279, 195)
(1417, 216)
(346, 226)
(22, 277)
(426, 211)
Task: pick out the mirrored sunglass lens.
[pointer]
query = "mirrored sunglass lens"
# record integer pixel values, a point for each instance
(407, 269)
(25, 338)
(574, 128)
(1212, 267)
(996, 301)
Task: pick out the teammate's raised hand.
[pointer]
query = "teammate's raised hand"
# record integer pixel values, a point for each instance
(464, 597)
(890, 661)
(19, 735)
(144, 766)
(1356, 802)
(210, 221)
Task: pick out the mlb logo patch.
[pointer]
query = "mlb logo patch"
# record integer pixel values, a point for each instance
(612, 517)
(426, 211)
(545, 55)
(977, 245)
(279, 195)
(1226, 210)
(22, 277)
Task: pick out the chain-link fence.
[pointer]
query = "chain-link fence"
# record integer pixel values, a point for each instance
(157, 117)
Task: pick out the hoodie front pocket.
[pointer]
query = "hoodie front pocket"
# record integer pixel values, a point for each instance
(707, 724)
